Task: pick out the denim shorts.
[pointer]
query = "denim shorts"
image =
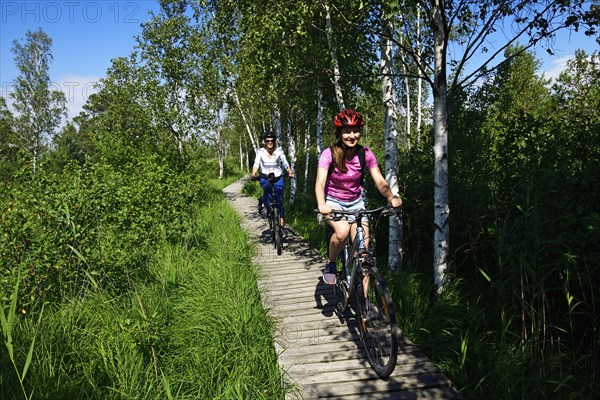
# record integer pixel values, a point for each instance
(357, 204)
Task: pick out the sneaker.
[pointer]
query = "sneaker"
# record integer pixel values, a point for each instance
(330, 273)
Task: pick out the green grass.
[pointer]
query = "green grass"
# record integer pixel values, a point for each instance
(195, 328)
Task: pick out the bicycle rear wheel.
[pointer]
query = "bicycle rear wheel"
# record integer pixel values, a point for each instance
(377, 321)
(277, 229)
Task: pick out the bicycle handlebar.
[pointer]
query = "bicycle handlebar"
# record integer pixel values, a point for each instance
(386, 210)
(270, 177)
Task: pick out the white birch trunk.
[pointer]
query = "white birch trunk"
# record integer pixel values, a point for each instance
(440, 149)
(253, 140)
(241, 157)
(334, 61)
(419, 80)
(35, 158)
(407, 91)
(277, 123)
(247, 158)
(319, 119)
(306, 155)
(220, 152)
(292, 159)
(391, 136)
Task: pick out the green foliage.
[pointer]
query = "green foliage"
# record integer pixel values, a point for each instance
(90, 221)
(9, 148)
(71, 145)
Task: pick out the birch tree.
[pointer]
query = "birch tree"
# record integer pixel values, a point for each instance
(220, 21)
(468, 26)
(339, 97)
(419, 50)
(441, 207)
(391, 134)
(165, 44)
(292, 158)
(306, 155)
(407, 105)
(39, 109)
(319, 121)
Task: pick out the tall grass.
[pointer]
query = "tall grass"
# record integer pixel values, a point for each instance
(194, 328)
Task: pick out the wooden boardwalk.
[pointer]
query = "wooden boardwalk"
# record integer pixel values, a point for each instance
(319, 350)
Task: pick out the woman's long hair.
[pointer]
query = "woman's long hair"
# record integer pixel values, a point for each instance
(337, 155)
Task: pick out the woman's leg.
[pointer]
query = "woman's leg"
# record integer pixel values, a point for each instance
(279, 196)
(266, 192)
(341, 229)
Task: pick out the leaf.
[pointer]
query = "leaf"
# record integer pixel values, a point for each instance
(485, 275)
(166, 386)
(82, 258)
(30, 353)
(9, 320)
(464, 345)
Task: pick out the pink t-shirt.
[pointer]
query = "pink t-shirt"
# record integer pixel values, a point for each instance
(346, 186)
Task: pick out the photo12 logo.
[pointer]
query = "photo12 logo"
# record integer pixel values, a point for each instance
(69, 11)
(75, 91)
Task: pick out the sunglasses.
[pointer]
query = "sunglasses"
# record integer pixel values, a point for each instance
(269, 140)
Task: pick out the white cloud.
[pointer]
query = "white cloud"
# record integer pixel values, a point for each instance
(556, 66)
(77, 90)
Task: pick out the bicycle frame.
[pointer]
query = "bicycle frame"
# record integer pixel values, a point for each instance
(351, 252)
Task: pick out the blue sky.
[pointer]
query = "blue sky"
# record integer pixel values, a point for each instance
(87, 34)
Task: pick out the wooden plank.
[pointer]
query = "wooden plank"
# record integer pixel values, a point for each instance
(354, 386)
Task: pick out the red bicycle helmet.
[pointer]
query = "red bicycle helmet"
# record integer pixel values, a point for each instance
(348, 117)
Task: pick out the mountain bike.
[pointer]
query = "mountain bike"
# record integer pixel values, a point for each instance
(360, 280)
(273, 213)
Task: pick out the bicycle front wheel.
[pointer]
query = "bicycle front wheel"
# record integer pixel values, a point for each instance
(377, 321)
(277, 229)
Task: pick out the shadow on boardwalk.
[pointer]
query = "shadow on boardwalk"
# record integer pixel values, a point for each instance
(318, 348)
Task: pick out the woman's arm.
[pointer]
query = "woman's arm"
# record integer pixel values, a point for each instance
(256, 163)
(320, 190)
(286, 165)
(384, 188)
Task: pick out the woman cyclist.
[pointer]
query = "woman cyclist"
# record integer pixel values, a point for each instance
(271, 159)
(340, 182)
